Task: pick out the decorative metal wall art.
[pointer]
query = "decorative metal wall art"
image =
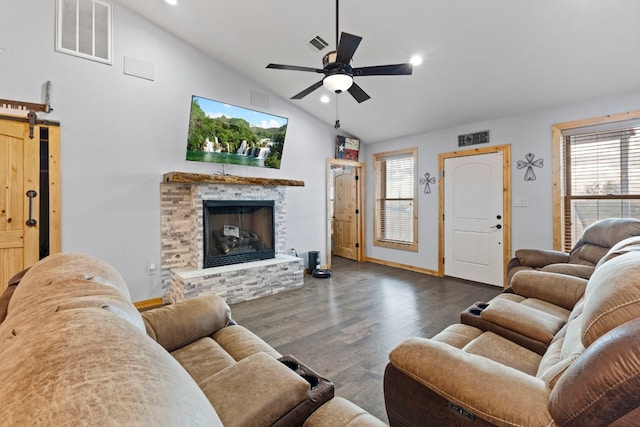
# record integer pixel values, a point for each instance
(473, 138)
(426, 181)
(530, 175)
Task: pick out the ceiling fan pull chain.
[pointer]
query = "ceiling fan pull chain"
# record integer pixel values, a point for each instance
(337, 124)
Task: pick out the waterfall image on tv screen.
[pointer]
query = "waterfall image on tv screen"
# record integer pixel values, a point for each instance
(224, 133)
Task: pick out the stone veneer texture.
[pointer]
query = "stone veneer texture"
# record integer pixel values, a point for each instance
(242, 284)
(181, 213)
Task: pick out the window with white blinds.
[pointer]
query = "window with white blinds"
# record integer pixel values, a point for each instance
(395, 213)
(601, 176)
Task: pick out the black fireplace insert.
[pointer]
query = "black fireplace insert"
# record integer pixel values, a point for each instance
(237, 231)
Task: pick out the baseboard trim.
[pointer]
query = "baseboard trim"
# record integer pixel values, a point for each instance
(149, 303)
(403, 266)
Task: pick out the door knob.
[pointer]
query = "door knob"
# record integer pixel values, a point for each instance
(497, 226)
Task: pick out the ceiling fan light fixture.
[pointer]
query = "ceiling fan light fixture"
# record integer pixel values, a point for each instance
(337, 82)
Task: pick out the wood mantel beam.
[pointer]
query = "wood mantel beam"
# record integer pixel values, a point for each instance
(196, 178)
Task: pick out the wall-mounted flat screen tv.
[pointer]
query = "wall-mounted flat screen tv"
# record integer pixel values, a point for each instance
(224, 133)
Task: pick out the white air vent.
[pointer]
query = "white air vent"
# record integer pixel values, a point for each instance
(83, 28)
(317, 43)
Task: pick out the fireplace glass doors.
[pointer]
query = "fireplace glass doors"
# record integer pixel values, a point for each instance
(237, 231)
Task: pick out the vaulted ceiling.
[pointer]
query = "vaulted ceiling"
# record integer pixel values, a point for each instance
(482, 59)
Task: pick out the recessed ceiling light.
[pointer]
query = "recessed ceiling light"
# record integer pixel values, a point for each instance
(416, 60)
(324, 99)
(172, 2)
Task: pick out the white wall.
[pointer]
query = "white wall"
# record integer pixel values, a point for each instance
(532, 226)
(119, 134)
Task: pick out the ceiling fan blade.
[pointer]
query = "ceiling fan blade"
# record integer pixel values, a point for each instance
(347, 47)
(307, 91)
(294, 68)
(359, 94)
(384, 70)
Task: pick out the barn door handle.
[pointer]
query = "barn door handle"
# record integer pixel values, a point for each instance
(31, 194)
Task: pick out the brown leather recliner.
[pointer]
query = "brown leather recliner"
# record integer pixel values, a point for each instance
(596, 240)
(589, 375)
(537, 304)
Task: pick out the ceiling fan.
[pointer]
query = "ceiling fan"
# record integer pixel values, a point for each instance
(338, 74)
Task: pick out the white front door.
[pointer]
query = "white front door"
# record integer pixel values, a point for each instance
(473, 218)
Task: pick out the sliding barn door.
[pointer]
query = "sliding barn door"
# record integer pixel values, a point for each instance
(20, 197)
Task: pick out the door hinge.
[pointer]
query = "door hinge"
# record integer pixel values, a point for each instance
(357, 245)
(357, 211)
(357, 177)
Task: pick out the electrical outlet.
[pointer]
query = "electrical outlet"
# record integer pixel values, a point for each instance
(151, 269)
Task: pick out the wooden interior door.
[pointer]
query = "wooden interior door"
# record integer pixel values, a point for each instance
(29, 165)
(345, 221)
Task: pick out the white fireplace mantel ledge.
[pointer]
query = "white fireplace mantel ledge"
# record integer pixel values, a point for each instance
(201, 178)
(187, 273)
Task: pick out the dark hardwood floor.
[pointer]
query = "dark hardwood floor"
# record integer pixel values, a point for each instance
(344, 327)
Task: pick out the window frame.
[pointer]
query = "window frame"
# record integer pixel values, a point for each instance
(560, 231)
(377, 213)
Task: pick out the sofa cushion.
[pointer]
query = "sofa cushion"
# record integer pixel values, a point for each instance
(505, 352)
(457, 335)
(588, 254)
(255, 392)
(612, 296)
(565, 348)
(179, 324)
(546, 307)
(203, 358)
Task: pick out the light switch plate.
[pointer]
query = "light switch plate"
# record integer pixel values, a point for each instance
(521, 202)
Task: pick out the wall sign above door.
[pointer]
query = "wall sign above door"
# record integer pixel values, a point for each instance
(473, 138)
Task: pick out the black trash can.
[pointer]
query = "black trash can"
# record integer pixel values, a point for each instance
(313, 261)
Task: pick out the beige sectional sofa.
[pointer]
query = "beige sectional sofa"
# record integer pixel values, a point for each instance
(595, 242)
(563, 351)
(75, 351)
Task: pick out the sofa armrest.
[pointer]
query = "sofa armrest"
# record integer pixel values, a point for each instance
(559, 289)
(488, 389)
(538, 258)
(522, 319)
(176, 325)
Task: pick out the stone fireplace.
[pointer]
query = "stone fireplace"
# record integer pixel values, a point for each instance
(237, 231)
(183, 204)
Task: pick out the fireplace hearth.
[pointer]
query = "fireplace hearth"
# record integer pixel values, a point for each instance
(237, 231)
